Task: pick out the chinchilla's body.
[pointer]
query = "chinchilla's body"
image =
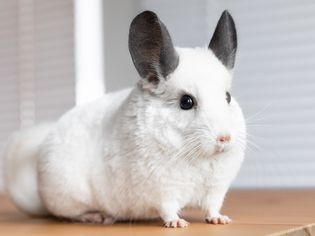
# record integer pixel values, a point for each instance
(175, 140)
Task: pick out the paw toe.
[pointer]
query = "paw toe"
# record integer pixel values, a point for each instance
(180, 223)
(218, 220)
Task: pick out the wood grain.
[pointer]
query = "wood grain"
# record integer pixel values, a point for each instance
(254, 212)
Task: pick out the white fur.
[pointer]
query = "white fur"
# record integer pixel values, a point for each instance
(21, 158)
(135, 154)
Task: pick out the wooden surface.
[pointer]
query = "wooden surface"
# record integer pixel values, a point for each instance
(254, 212)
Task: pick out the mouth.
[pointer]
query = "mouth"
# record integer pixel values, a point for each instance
(215, 149)
(219, 149)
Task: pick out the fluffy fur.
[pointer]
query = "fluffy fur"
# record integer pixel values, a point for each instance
(135, 154)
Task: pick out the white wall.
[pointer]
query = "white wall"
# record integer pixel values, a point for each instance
(119, 69)
(89, 50)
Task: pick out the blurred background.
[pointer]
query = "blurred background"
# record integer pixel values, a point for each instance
(56, 54)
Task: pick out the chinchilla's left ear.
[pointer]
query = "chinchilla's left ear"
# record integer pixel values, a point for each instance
(224, 40)
(151, 47)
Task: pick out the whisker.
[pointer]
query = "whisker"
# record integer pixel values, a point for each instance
(251, 117)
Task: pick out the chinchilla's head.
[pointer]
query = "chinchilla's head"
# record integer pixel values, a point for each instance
(185, 93)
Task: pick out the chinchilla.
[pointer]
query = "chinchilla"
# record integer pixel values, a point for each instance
(175, 140)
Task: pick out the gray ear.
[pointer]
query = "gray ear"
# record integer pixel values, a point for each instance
(224, 40)
(151, 47)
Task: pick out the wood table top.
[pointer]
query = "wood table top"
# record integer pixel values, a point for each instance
(254, 212)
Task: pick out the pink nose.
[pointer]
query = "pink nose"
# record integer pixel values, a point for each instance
(223, 138)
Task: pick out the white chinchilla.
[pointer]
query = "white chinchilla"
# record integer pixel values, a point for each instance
(175, 140)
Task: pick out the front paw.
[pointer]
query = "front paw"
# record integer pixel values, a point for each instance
(179, 223)
(219, 219)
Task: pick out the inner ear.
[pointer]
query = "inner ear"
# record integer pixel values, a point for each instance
(151, 47)
(224, 40)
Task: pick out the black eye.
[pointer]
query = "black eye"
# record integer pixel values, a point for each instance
(228, 97)
(186, 102)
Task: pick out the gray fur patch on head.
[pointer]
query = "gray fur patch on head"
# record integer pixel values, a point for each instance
(151, 47)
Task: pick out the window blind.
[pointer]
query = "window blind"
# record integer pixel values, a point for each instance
(36, 63)
(9, 88)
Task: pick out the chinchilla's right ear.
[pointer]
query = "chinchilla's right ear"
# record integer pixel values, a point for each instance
(151, 47)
